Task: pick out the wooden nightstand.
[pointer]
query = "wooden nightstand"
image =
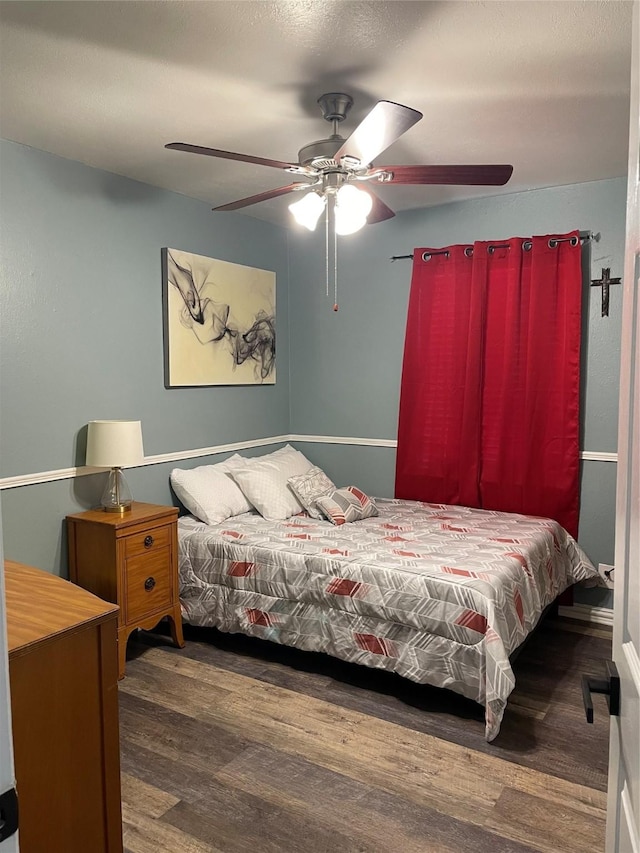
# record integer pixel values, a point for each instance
(131, 560)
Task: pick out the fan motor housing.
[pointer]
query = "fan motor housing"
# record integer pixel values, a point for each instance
(321, 150)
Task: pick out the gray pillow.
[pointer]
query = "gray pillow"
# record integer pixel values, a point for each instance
(310, 486)
(346, 505)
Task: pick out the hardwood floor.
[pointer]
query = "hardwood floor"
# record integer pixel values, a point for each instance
(233, 744)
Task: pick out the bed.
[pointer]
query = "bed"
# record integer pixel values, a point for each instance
(442, 595)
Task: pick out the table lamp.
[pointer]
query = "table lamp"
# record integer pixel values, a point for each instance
(115, 444)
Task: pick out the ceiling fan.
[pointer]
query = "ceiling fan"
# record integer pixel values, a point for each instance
(332, 168)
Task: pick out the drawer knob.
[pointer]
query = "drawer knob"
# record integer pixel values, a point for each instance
(149, 584)
(148, 541)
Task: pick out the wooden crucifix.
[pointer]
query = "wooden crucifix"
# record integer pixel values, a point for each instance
(604, 283)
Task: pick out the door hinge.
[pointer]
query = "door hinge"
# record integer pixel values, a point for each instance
(610, 686)
(8, 813)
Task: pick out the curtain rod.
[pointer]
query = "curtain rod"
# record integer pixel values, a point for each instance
(585, 236)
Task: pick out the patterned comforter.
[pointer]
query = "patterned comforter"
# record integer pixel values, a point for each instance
(439, 594)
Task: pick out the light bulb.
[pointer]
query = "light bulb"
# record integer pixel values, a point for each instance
(352, 208)
(307, 210)
(348, 224)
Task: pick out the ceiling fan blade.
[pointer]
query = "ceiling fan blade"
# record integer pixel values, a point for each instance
(377, 131)
(265, 196)
(379, 211)
(460, 175)
(228, 155)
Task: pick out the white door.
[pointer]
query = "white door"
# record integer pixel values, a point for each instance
(623, 807)
(7, 778)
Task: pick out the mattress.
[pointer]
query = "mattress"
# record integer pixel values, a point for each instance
(439, 594)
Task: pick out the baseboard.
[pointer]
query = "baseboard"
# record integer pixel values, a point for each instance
(587, 613)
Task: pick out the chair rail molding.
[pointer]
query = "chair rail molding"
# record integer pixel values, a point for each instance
(20, 480)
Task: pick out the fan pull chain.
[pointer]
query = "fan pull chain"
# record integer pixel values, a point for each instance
(335, 269)
(326, 248)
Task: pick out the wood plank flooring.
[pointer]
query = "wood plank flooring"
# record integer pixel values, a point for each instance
(233, 744)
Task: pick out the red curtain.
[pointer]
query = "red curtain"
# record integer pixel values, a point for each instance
(489, 403)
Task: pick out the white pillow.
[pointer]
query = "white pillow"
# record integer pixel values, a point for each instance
(263, 479)
(209, 492)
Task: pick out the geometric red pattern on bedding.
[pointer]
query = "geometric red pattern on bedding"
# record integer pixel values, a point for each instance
(346, 505)
(450, 570)
(443, 612)
(549, 567)
(517, 601)
(453, 529)
(240, 570)
(474, 621)
(360, 495)
(258, 617)
(522, 560)
(343, 586)
(375, 645)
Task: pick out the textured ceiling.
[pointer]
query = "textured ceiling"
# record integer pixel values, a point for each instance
(542, 85)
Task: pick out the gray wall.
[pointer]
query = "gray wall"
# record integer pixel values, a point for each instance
(345, 367)
(81, 335)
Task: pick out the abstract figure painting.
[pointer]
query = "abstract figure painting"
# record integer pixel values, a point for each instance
(219, 322)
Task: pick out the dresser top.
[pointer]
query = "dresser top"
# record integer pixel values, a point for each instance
(139, 512)
(41, 605)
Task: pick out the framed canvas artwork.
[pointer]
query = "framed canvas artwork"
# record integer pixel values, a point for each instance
(219, 322)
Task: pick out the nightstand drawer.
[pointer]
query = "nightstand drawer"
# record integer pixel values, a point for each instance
(147, 583)
(147, 541)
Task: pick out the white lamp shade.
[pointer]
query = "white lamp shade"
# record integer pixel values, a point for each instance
(308, 209)
(114, 444)
(352, 208)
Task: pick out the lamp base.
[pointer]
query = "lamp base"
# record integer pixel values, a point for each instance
(117, 495)
(122, 508)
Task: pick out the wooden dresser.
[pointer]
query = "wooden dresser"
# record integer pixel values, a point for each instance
(64, 703)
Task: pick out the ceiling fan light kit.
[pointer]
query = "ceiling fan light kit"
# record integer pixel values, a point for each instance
(352, 208)
(308, 209)
(330, 169)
